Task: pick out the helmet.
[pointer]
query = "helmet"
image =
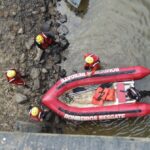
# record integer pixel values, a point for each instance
(89, 60)
(35, 111)
(39, 39)
(11, 73)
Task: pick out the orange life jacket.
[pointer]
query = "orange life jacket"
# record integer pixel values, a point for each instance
(103, 94)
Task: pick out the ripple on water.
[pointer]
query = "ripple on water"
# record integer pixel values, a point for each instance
(118, 31)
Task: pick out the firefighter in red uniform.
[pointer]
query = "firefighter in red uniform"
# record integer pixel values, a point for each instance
(37, 114)
(14, 77)
(92, 62)
(44, 40)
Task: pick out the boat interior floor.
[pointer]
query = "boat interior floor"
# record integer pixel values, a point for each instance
(82, 96)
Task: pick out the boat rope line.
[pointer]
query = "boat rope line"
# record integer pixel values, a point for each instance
(99, 113)
(96, 75)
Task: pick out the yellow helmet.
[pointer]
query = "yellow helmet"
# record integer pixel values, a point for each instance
(35, 111)
(89, 60)
(39, 39)
(11, 73)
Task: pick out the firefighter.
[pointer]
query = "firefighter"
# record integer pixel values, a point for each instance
(14, 77)
(92, 62)
(38, 114)
(44, 40)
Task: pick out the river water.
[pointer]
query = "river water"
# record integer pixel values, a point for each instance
(119, 32)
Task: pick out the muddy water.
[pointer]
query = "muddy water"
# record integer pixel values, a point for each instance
(119, 32)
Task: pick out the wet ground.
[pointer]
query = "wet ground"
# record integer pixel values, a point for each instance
(119, 32)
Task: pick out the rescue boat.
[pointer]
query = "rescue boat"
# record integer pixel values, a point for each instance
(71, 96)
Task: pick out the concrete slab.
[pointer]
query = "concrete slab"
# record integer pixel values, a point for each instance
(29, 141)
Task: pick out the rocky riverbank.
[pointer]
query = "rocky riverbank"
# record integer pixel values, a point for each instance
(20, 21)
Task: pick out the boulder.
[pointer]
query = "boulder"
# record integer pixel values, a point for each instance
(63, 18)
(36, 84)
(20, 98)
(20, 31)
(35, 72)
(29, 43)
(57, 58)
(62, 73)
(46, 26)
(22, 126)
(63, 30)
(44, 70)
(38, 55)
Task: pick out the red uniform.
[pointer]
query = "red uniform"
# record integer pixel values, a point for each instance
(48, 40)
(95, 65)
(17, 80)
(36, 118)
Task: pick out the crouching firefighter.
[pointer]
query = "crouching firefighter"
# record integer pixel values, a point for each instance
(103, 94)
(38, 114)
(44, 40)
(92, 62)
(14, 77)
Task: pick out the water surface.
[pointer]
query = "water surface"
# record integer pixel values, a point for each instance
(119, 32)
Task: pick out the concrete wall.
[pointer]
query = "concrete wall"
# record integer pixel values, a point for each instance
(35, 141)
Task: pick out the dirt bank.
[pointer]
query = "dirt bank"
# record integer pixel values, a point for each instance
(20, 21)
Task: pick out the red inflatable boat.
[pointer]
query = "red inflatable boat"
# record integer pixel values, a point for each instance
(63, 99)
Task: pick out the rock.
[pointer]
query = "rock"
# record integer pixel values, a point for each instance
(48, 51)
(63, 18)
(35, 72)
(43, 77)
(13, 14)
(63, 30)
(36, 84)
(62, 73)
(22, 126)
(54, 2)
(35, 12)
(27, 91)
(42, 9)
(44, 70)
(22, 58)
(46, 26)
(6, 13)
(1, 13)
(56, 120)
(51, 83)
(49, 116)
(20, 98)
(29, 43)
(57, 58)
(20, 31)
(42, 61)
(56, 69)
(64, 43)
(38, 55)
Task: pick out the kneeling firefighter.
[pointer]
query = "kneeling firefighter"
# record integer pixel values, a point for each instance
(14, 77)
(103, 94)
(92, 62)
(44, 40)
(38, 114)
